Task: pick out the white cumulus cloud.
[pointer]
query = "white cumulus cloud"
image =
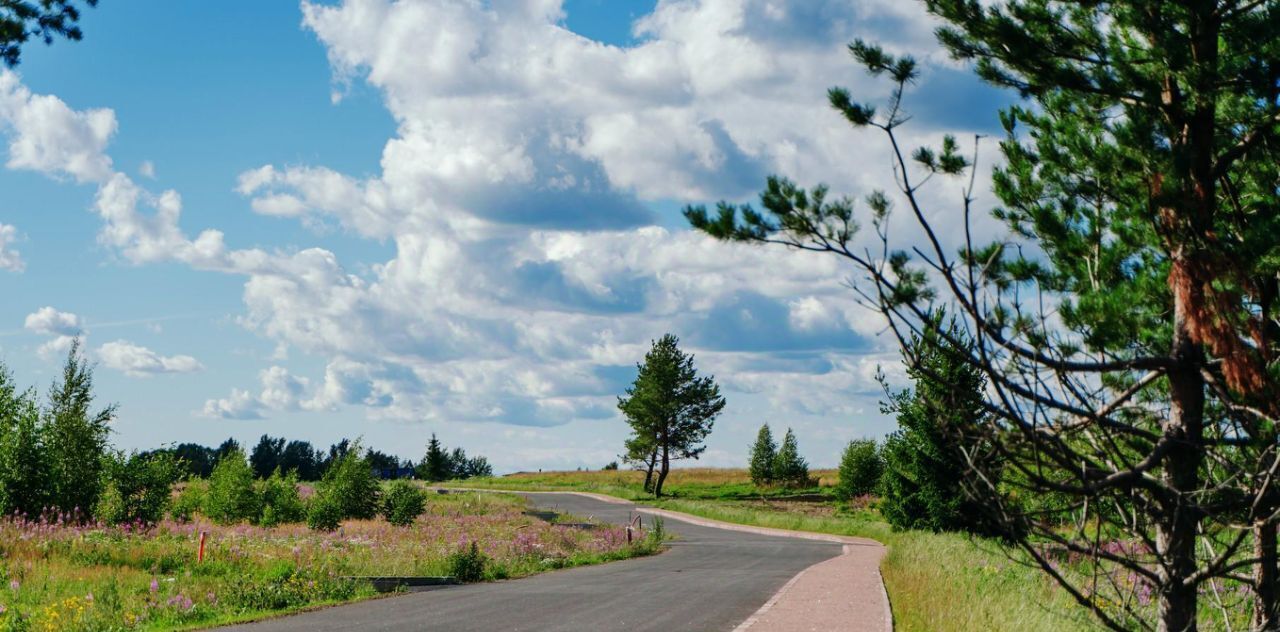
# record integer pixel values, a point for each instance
(139, 361)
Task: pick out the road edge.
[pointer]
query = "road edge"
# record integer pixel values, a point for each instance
(847, 541)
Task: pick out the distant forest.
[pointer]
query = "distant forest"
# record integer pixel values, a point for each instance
(310, 463)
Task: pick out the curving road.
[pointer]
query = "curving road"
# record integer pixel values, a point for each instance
(711, 579)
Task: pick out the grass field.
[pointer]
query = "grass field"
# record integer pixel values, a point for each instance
(66, 577)
(936, 582)
(689, 483)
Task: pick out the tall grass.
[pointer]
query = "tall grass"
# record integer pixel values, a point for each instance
(62, 576)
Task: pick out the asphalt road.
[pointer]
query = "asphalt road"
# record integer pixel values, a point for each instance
(711, 579)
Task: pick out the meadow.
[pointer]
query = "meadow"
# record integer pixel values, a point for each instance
(58, 575)
(937, 582)
(705, 483)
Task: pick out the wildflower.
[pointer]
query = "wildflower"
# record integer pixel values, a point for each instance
(89, 598)
(3, 609)
(155, 586)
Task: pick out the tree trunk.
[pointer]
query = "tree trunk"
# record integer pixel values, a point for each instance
(648, 475)
(1265, 611)
(662, 474)
(1178, 522)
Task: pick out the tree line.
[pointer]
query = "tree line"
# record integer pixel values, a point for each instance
(56, 462)
(310, 464)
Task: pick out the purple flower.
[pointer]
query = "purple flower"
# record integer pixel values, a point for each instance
(155, 586)
(14, 585)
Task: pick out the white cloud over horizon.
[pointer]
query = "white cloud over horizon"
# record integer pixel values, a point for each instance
(530, 267)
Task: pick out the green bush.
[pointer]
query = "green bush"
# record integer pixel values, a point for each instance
(232, 496)
(860, 468)
(404, 503)
(351, 484)
(281, 503)
(468, 564)
(136, 487)
(324, 513)
(188, 502)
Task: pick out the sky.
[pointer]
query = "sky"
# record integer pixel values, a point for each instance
(389, 219)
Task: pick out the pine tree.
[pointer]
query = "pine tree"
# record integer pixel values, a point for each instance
(435, 465)
(669, 407)
(763, 452)
(45, 20)
(789, 468)
(923, 483)
(1126, 317)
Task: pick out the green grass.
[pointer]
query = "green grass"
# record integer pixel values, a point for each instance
(76, 577)
(689, 483)
(936, 582)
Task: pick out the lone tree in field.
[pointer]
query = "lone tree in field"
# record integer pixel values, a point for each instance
(669, 408)
(20, 20)
(1126, 318)
(763, 452)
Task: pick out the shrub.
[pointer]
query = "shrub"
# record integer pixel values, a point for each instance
(232, 496)
(324, 514)
(763, 453)
(351, 484)
(610, 466)
(789, 468)
(404, 503)
(860, 469)
(136, 488)
(188, 502)
(280, 501)
(468, 564)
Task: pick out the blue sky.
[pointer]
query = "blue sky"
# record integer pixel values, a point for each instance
(386, 219)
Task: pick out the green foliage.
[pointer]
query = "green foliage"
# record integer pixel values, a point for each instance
(763, 453)
(324, 513)
(611, 466)
(232, 495)
(440, 464)
(23, 458)
(468, 564)
(281, 503)
(789, 468)
(266, 456)
(405, 501)
(137, 487)
(923, 483)
(435, 465)
(188, 502)
(351, 484)
(669, 407)
(75, 438)
(861, 466)
(20, 20)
